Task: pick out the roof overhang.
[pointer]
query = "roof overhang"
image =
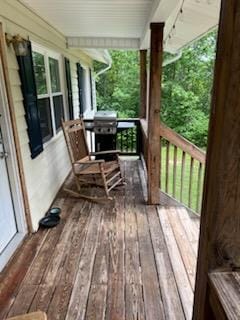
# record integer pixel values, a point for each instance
(124, 24)
(101, 55)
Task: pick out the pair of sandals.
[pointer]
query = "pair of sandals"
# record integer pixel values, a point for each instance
(51, 219)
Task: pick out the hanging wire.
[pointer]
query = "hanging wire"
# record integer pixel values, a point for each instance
(172, 32)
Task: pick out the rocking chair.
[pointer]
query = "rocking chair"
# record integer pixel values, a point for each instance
(88, 172)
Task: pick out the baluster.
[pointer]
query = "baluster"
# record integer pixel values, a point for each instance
(139, 139)
(127, 146)
(190, 183)
(182, 175)
(199, 186)
(121, 141)
(167, 167)
(91, 141)
(134, 140)
(132, 134)
(174, 171)
(117, 141)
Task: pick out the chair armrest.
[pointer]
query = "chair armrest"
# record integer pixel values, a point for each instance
(89, 162)
(105, 152)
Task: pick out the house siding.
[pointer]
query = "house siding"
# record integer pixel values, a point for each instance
(45, 174)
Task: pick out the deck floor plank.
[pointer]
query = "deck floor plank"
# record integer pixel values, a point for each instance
(59, 303)
(119, 260)
(134, 293)
(56, 266)
(116, 279)
(190, 227)
(185, 247)
(180, 273)
(152, 297)
(170, 296)
(78, 301)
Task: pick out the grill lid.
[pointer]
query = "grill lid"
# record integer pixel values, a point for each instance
(105, 116)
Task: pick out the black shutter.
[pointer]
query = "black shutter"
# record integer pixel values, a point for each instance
(29, 92)
(80, 88)
(91, 87)
(69, 88)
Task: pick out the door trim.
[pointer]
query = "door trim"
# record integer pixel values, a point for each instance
(12, 117)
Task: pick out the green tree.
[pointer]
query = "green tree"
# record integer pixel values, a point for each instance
(186, 88)
(187, 85)
(118, 88)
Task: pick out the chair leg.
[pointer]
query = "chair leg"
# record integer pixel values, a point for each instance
(77, 183)
(104, 180)
(121, 174)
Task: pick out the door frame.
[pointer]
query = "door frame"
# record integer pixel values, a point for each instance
(13, 172)
(6, 80)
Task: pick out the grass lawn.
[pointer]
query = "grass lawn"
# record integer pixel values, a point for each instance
(185, 194)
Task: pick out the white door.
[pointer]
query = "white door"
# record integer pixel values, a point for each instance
(8, 227)
(12, 218)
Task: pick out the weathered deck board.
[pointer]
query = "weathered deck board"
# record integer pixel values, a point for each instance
(120, 260)
(170, 296)
(79, 297)
(180, 273)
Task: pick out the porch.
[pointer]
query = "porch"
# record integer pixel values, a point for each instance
(123, 260)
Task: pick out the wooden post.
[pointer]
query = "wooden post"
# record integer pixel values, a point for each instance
(156, 56)
(143, 83)
(220, 219)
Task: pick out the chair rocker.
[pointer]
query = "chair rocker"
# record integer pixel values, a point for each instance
(88, 172)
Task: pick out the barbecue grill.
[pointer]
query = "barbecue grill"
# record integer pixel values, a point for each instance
(105, 122)
(105, 129)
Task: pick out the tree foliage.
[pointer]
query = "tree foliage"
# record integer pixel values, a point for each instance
(186, 88)
(118, 88)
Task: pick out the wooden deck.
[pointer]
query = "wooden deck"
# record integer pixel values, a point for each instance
(121, 260)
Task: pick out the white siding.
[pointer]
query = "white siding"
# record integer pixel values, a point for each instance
(45, 174)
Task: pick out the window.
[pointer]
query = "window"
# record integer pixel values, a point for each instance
(47, 70)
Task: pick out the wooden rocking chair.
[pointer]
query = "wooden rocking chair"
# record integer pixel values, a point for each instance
(88, 172)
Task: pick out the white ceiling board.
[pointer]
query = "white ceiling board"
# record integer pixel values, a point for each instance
(198, 18)
(124, 24)
(95, 18)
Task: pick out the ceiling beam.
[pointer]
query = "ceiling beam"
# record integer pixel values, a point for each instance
(103, 43)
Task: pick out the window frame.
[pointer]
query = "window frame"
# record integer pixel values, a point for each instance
(48, 53)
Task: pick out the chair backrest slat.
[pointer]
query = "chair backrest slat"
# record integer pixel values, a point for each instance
(75, 136)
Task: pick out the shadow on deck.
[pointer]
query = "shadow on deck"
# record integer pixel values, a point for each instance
(121, 260)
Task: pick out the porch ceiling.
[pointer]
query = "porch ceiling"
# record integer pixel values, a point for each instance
(124, 24)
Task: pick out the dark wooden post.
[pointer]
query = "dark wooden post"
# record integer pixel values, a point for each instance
(220, 219)
(143, 83)
(156, 56)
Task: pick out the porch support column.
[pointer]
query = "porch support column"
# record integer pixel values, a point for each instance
(143, 84)
(156, 56)
(220, 218)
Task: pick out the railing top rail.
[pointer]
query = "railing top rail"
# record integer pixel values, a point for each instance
(118, 120)
(182, 143)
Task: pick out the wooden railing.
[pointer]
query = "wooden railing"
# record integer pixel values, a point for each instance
(182, 169)
(128, 140)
